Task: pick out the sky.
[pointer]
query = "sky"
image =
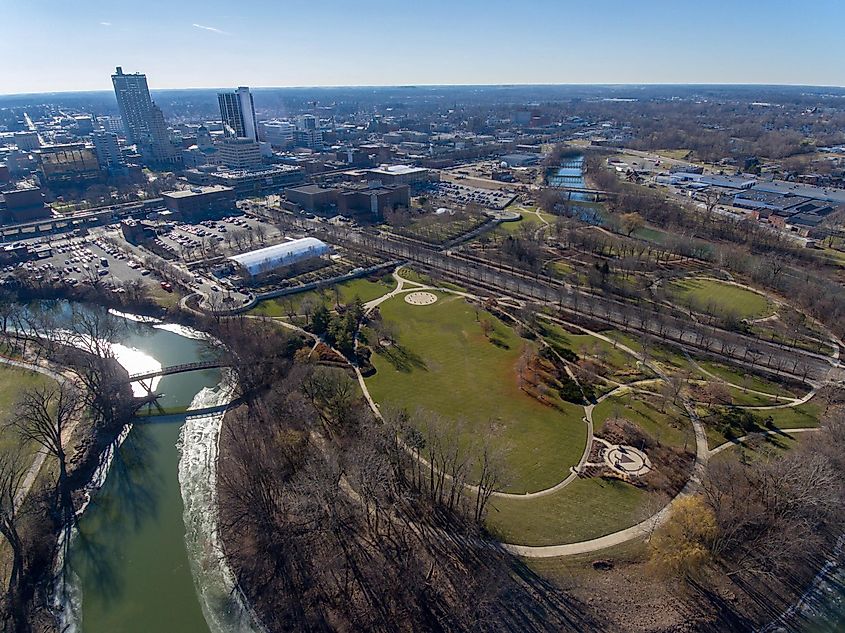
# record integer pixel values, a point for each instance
(64, 45)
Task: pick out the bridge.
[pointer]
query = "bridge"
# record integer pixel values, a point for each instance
(179, 369)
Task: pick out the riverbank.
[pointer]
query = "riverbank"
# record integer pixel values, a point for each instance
(43, 524)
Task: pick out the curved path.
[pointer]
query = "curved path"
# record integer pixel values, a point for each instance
(643, 528)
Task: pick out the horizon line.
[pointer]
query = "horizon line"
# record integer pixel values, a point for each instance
(452, 85)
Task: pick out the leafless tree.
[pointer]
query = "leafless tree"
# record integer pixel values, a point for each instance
(42, 417)
(12, 474)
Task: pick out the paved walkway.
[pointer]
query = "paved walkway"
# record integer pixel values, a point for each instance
(643, 528)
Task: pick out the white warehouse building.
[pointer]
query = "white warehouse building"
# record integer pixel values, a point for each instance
(269, 258)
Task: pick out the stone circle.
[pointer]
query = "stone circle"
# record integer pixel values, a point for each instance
(419, 298)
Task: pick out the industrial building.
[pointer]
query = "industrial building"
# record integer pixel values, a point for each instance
(270, 258)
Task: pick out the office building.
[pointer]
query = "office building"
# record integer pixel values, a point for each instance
(84, 125)
(310, 138)
(112, 124)
(107, 150)
(27, 140)
(402, 175)
(200, 203)
(142, 118)
(238, 153)
(278, 133)
(249, 182)
(362, 198)
(237, 111)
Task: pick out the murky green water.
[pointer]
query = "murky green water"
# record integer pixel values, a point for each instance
(129, 567)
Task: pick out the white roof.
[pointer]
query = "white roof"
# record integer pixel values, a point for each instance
(269, 256)
(398, 170)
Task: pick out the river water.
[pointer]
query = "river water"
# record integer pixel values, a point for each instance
(145, 556)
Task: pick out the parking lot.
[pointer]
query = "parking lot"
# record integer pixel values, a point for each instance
(232, 234)
(103, 256)
(463, 194)
(81, 259)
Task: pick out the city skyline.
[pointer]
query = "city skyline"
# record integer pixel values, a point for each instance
(204, 45)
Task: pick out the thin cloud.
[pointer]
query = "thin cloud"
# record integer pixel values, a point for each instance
(105, 23)
(209, 28)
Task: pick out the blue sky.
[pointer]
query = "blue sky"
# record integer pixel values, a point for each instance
(53, 45)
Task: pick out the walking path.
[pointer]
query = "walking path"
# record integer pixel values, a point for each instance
(643, 528)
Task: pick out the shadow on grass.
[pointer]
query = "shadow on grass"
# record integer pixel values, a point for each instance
(402, 358)
(499, 342)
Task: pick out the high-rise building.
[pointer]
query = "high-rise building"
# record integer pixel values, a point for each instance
(111, 124)
(142, 118)
(237, 111)
(107, 150)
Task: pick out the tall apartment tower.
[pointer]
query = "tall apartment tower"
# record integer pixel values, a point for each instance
(108, 150)
(237, 111)
(142, 118)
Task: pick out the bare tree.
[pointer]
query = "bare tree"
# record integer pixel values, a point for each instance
(43, 415)
(12, 474)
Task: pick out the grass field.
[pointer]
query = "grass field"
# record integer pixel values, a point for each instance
(805, 415)
(671, 426)
(412, 275)
(12, 382)
(668, 359)
(364, 288)
(585, 509)
(444, 363)
(740, 378)
(724, 298)
(623, 367)
(802, 416)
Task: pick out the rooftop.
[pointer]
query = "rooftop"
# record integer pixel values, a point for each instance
(397, 170)
(195, 191)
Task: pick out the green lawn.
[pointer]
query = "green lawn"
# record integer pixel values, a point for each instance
(804, 415)
(711, 294)
(623, 367)
(585, 509)
(669, 359)
(561, 268)
(12, 382)
(364, 288)
(746, 399)
(445, 364)
(415, 276)
(672, 426)
(741, 378)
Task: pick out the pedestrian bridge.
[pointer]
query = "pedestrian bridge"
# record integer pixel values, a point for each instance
(178, 369)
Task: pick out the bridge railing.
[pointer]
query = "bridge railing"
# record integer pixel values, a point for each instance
(175, 369)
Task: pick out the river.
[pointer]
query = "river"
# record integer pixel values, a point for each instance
(145, 555)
